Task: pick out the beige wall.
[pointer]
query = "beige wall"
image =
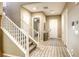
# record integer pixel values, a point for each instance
(59, 24)
(13, 11)
(1, 8)
(0, 19)
(25, 19)
(10, 48)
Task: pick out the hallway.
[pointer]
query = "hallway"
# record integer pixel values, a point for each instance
(51, 48)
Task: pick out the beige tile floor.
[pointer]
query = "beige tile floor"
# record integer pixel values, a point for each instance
(50, 48)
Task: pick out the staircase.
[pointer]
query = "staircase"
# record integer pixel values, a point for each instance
(32, 46)
(24, 41)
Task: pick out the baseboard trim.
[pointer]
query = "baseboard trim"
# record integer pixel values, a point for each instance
(9, 55)
(69, 52)
(55, 38)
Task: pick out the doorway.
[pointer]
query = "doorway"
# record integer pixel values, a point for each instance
(53, 26)
(35, 28)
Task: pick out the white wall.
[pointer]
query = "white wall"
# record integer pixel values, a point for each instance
(72, 39)
(64, 24)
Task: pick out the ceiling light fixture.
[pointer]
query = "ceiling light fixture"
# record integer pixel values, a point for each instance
(34, 8)
(52, 11)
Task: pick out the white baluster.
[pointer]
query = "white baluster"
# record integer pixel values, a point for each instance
(19, 36)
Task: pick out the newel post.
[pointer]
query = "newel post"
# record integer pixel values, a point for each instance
(27, 45)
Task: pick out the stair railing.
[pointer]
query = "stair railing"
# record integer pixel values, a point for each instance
(16, 34)
(33, 33)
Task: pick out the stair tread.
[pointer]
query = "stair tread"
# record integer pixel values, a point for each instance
(32, 47)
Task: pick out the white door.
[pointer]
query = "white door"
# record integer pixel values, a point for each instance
(53, 28)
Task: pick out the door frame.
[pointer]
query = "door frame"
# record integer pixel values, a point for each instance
(38, 27)
(57, 28)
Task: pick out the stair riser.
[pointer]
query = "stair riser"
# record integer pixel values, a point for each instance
(30, 44)
(32, 49)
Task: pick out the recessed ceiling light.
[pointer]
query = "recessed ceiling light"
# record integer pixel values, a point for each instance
(52, 11)
(34, 8)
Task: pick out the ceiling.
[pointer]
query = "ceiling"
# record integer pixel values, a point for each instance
(1, 8)
(49, 8)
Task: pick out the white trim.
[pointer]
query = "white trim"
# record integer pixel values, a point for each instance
(9, 55)
(69, 52)
(54, 38)
(30, 37)
(64, 42)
